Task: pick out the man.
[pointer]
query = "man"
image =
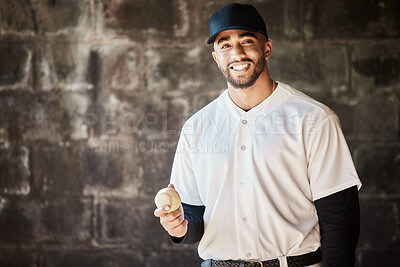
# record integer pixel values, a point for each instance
(264, 172)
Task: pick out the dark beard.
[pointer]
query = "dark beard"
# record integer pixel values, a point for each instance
(241, 83)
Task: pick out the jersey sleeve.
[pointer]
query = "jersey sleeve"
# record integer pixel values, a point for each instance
(182, 175)
(330, 165)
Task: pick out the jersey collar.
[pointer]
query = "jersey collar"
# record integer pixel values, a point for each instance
(277, 98)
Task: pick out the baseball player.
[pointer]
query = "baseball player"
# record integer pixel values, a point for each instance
(264, 172)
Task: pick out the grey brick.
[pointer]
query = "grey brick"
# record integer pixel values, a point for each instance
(25, 116)
(3, 134)
(14, 171)
(62, 221)
(76, 106)
(18, 258)
(131, 222)
(375, 68)
(352, 19)
(157, 169)
(63, 62)
(282, 18)
(186, 256)
(16, 15)
(117, 97)
(146, 19)
(157, 112)
(311, 68)
(10, 120)
(378, 167)
(63, 59)
(158, 124)
(380, 228)
(15, 69)
(93, 258)
(71, 169)
(377, 257)
(376, 119)
(366, 119)
(17, 227)
(190, 70)
(59, 221)
(110, 171)
(61, 15)
(44, 16)
(33, 117)
(56, 171)
(122, 67)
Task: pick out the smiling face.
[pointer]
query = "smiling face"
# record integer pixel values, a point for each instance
(241, 56)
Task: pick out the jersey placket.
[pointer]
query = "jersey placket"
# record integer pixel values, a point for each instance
(246, 219)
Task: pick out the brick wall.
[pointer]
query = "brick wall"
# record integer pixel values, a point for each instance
(93, 94)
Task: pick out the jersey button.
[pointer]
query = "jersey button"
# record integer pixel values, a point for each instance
(248, 255)
(244, 219)
(243, 181)
(243, 147)
(244, 121)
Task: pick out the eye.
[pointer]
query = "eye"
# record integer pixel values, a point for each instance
(248, 41)
(224, 46)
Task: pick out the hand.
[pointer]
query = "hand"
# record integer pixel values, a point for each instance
(174, 222)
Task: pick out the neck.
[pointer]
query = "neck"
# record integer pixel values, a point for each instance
(247, 98)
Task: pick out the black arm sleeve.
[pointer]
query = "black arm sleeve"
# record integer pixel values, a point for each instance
(194, 216)
(339, 221)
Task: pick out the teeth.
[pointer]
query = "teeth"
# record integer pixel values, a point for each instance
(239, 67)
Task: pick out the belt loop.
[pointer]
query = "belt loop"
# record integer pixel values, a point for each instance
(283, 261)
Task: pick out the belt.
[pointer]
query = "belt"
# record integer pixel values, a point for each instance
(293, 261)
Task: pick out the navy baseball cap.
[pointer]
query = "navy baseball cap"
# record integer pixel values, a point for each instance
(236, 17)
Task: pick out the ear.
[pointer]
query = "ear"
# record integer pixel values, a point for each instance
(267, 49)
(215, 57)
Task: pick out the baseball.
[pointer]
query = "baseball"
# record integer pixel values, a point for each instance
(168, 196)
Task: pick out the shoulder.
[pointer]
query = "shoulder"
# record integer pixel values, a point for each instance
(306, 102)
(306, 106)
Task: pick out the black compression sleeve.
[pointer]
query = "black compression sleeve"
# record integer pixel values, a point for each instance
(194, 216)
(339, 221)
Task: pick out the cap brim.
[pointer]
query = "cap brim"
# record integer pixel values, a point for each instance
(212, 38)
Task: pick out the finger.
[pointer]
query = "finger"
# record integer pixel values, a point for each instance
(160, 212)
(171, 186)
(179, 230)
(176, 222)
(167, 224)
(172, 216)
(166, 208)
(177, 212)
(171, 220)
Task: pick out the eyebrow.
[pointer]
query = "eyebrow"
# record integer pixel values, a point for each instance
(245, 34)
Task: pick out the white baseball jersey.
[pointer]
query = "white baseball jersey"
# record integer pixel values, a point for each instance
(258, 173)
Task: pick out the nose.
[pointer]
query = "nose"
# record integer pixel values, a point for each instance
(237, 52)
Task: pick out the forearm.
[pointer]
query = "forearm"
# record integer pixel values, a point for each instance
(194, 216)
(339, 221)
